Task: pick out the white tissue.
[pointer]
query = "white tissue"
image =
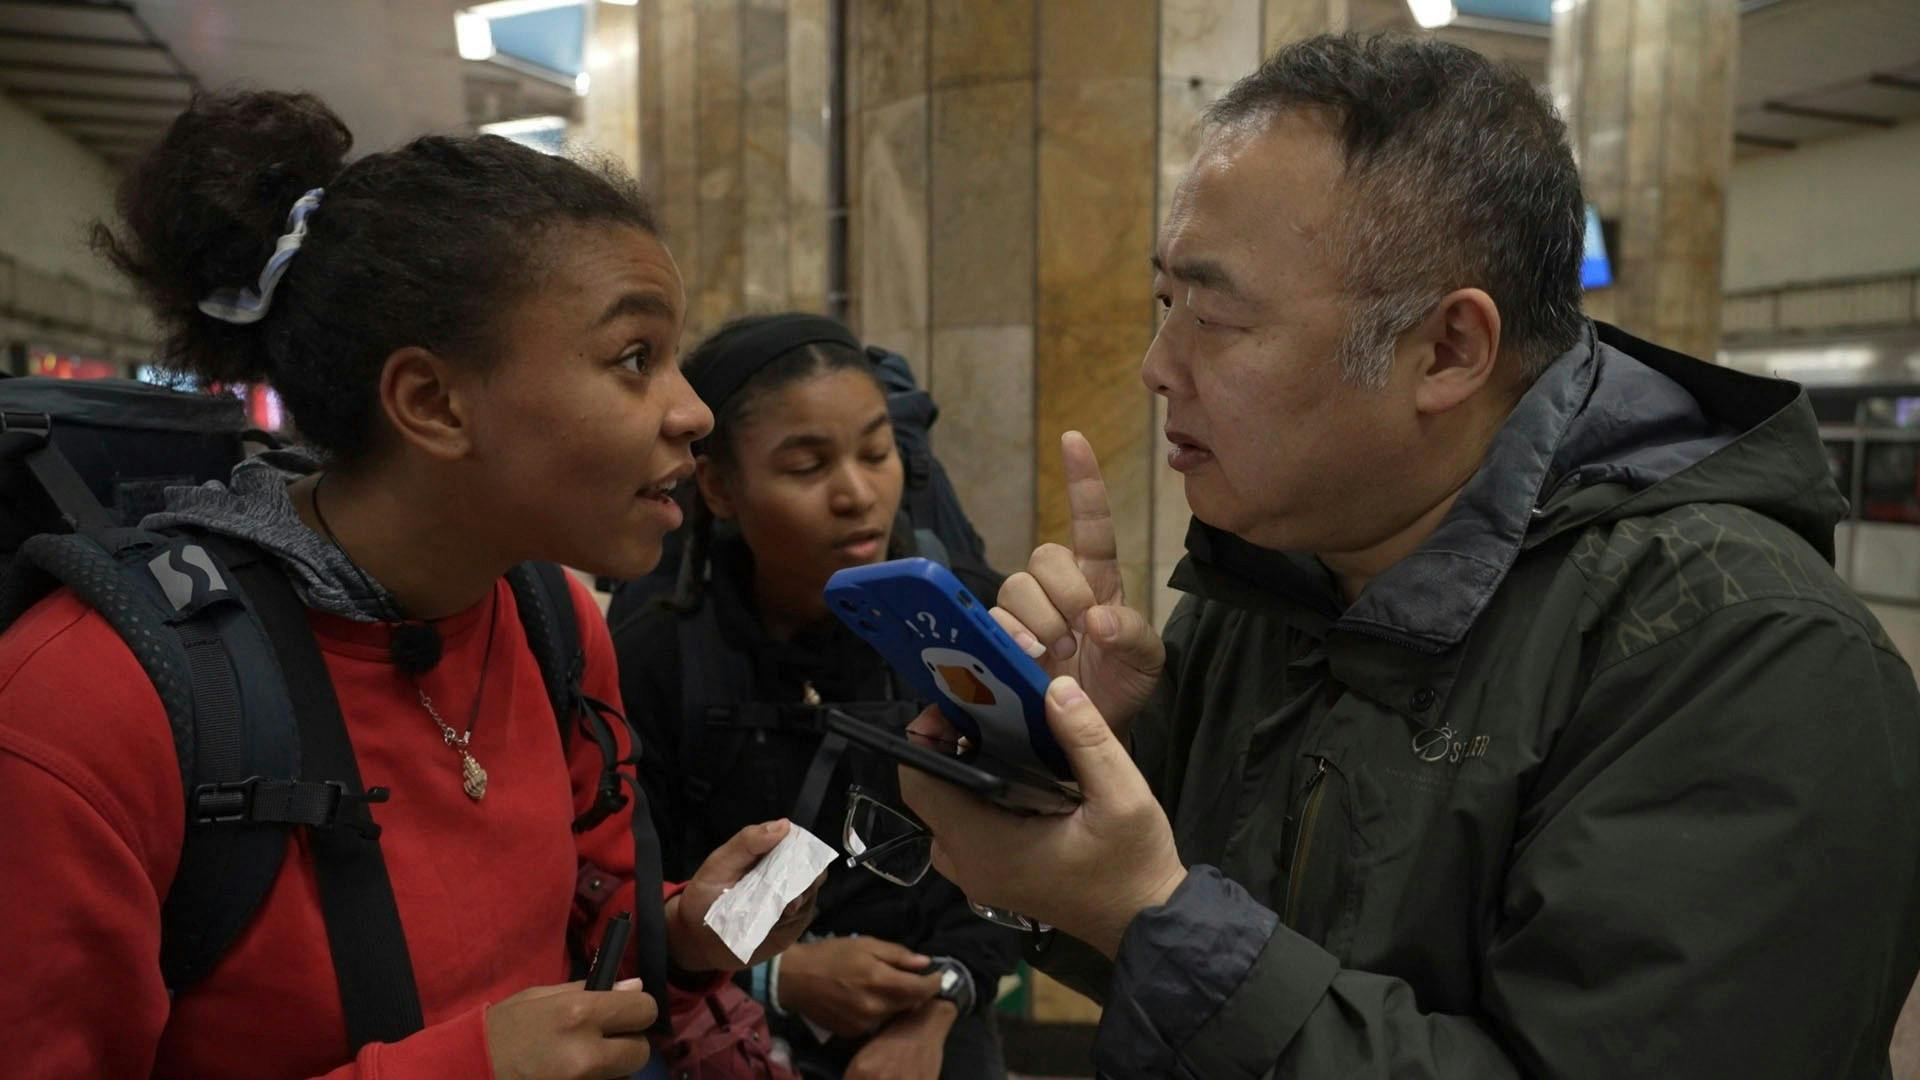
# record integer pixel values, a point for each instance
(745, 913)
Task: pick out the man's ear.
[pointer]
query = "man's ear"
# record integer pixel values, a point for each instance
(421, 394)
(1459, 342)
(713, 487)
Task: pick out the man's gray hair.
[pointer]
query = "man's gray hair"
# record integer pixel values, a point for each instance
(1457, 174)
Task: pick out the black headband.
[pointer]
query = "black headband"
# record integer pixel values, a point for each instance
(743, 355)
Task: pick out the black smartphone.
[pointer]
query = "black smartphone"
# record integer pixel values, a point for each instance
(1004, 785)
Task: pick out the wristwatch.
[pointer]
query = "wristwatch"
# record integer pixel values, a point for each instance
(956, 983)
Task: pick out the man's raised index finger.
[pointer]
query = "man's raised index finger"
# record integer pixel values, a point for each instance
(1094, 545)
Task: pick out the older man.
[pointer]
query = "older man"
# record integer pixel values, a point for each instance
(1515, 722)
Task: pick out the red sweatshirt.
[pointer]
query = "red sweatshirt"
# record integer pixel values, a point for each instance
(93, 817)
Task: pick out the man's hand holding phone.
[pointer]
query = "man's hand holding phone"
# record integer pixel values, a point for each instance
(1090, 870)
(1068, 609)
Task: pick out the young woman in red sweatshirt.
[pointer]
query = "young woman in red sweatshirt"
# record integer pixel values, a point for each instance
(477, 343)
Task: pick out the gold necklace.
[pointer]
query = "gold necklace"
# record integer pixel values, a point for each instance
(473, 778)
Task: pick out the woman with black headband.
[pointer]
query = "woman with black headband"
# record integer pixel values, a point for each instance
(478, 344)
(800, 478)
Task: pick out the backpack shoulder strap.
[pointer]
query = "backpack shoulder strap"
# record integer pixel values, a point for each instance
(545, 599)
(541, 593)
(371, 961)
(247, 763)
(175, 607)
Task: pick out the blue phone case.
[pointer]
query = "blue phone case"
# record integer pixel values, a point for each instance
(941, 639)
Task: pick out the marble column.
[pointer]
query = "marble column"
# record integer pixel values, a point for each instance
(809, 97)
(732, 144)
(1098, 125)
(888, 64)
(611, 112)
(981, 244)
(669, 164)
(765, 134)
(1646, 87)
(718, 292)
(1291, 20)
(650, 107)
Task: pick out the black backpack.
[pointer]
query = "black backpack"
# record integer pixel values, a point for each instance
(225, 640)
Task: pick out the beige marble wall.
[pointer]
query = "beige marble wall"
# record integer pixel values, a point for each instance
(852, 19)
(764, 151)
(1647, 88)
(650, 107)
(610, 114)
(981, 261)
(732, 145)
(809, 82)
(1098, 105)
(676, 176)
(1291, 20)
(718, 291)
(889, 64)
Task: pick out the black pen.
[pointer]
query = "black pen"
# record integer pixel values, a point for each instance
(613, 946)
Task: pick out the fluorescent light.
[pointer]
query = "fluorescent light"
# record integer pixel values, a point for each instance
(474, 35)
(582, 83)
(526, 125)
(1432, 14)
(506, 9)
(546, 134)
(622, 3)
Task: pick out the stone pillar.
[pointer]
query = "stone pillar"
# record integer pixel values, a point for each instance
(809, 96)
(718, 292)
(732, 145)
(981, 244)
(1647, 89)
(1099, 105)
(611, 111)
(669, 165)
(1001, 172)
(887, 134)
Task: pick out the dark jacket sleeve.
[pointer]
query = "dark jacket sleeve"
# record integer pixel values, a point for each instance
(1706, 877)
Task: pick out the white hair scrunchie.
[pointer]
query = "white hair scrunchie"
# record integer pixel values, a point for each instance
(244, 306)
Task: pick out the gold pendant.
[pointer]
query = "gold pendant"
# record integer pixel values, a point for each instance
(473, 777)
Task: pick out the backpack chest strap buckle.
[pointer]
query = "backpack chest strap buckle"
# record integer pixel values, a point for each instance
(258, 800)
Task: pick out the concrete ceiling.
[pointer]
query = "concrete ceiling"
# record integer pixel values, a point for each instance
(113, 73)
(388, 67)
(1808, 69)
(1813, 69)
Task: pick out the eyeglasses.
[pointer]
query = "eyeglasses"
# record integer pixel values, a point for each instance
(899, 849)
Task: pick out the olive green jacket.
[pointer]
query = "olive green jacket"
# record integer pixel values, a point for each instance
(1612, 778)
